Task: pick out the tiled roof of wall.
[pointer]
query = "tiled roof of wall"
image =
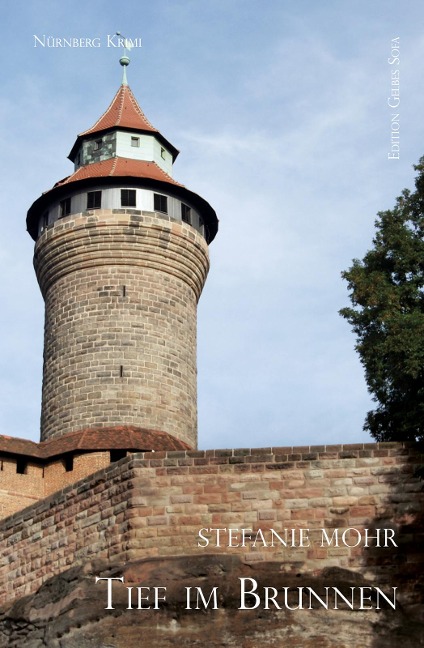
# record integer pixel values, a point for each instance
(113, 438)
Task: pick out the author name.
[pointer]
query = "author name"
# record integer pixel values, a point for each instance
(300, 538)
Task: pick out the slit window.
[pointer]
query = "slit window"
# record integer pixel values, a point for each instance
(68, 461)
(116, 455)
(128, 198)
(160, 203)
(65, 207)
(162, 153)
(185, 213)
(94, 200)
(135, 141)
(21, 466)
(98, 144)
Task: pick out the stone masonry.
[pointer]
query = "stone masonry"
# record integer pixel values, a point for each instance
(154, 504)
(121, 290)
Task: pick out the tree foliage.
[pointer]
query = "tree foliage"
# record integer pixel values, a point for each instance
(387, 316)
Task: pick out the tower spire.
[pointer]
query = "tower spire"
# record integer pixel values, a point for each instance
(125, 59)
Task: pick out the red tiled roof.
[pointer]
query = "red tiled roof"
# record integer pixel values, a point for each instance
(124, 111)
(113, 438)
(120, 167)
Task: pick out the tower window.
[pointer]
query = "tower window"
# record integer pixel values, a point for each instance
(135, 141)
(65, 207)
(160, 203)
(128, 198)
(162, 152)
(94, 199)
(185, 213)
(98, 144)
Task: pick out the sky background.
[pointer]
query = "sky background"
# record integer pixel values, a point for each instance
(279, 109)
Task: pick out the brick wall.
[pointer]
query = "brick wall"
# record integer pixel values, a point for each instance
(18, 490)
(154, 504)
(121, 290)
(56, 476)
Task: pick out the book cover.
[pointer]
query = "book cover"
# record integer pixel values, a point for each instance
(281, 521)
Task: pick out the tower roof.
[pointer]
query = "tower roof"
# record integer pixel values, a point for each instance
(117, 166)
(113, 172)
(120, 168)
(123, 113)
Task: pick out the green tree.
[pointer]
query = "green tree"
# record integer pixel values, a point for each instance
(387, 316)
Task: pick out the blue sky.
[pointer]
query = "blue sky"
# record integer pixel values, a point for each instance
(279, 109)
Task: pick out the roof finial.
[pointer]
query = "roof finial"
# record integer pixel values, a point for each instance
(124, 60)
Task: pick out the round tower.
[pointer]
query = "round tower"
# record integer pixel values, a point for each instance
(121, 257)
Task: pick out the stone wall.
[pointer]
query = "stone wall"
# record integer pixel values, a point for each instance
(69, 610)
(154, 504)
(121, 290)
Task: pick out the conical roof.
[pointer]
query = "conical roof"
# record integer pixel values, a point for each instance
(123, 111)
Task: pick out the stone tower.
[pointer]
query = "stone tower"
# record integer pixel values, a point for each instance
(121, 257)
